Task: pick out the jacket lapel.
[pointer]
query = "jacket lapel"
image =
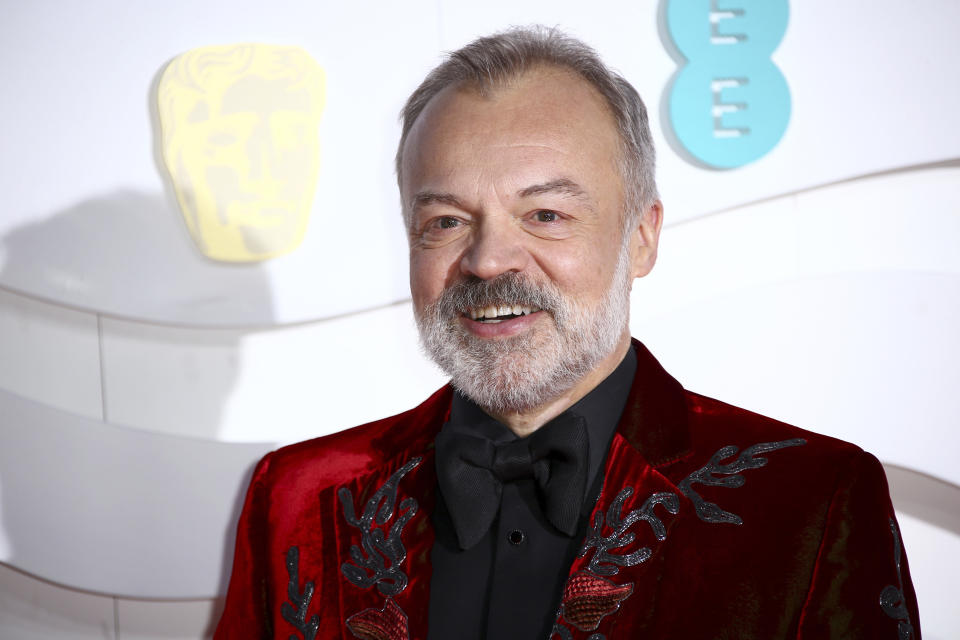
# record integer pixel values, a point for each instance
(620, 562)
(621, 559)
(614, 581)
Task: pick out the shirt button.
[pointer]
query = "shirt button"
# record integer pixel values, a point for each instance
(516, 537)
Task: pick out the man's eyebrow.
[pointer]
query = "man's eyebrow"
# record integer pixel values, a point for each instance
(424, 198)
(563, 186)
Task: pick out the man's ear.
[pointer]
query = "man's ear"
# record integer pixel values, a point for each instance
(646, 237)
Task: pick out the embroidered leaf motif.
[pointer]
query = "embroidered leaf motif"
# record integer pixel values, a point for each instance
(606, 563)
(378, 559)
(389, 623)
(717, 474)
(891, 598)
(588, 598)
(297, 617)
(600, 597)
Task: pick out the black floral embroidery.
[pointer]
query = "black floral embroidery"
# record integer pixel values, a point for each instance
(891, 598)
(710, 473)
(298, 617)
(604, 562)
(380, 559)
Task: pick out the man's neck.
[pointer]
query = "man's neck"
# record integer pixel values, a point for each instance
(523, 423)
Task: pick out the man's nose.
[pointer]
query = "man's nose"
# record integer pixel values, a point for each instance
(495, 248)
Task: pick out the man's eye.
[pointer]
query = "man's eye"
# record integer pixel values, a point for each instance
(440, 229)
(545, 216)
(447, 222)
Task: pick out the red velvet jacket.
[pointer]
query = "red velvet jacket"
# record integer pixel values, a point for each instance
(713, 522)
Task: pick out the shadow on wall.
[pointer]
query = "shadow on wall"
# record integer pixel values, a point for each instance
(127, 257)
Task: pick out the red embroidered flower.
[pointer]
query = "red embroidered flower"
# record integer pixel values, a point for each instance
(587, 598)
(389, 623)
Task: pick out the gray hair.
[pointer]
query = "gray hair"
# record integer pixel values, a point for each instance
(492, 61)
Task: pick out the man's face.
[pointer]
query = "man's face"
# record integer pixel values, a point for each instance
(515, 200)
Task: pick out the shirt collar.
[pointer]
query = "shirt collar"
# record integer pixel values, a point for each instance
(601, 408)
(654, 417)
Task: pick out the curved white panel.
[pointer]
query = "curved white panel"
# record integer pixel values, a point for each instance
(50, 354)
(167, 620)
(31, 609)
(282, 385)
(904, 221)
(114, 510)
(924, 497)
(868, 358)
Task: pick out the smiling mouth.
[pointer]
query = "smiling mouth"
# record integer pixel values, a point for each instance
(498, 313)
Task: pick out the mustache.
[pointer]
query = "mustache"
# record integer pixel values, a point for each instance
(508, 288)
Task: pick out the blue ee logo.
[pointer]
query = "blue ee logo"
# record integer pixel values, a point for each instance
(729, 104)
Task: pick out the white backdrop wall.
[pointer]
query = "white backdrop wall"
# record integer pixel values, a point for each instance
(139, 381)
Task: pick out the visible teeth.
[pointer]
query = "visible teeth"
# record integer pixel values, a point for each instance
(493, 312)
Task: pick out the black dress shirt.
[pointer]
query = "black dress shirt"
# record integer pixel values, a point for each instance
(508, 586)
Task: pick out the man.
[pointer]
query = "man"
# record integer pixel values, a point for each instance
(564, 485)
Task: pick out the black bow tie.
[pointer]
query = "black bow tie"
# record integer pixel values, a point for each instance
(471, 471)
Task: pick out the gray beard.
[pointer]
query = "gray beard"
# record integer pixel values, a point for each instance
(522, 372)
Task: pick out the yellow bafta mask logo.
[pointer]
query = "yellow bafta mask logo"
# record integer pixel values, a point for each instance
(239, 127)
